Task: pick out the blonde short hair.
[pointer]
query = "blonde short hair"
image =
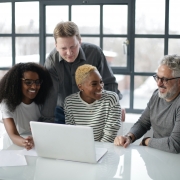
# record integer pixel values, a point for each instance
(82, 72)
(66, 29)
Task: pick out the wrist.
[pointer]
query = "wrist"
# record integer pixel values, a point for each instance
(129, 137)
(144, 141)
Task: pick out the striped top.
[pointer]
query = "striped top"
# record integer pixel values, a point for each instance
(102, 115)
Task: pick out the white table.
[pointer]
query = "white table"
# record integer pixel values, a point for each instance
(133, 163)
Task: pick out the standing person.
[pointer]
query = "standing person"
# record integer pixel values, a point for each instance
(162, 111)
(62, 63)
(92, 106)
(22, 90)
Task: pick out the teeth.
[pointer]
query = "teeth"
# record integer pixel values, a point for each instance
(32, 91)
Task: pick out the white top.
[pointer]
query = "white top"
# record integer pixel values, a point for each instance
(23, 114)
(103, 115)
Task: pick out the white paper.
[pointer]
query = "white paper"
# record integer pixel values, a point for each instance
(11, 158)
(31, 152)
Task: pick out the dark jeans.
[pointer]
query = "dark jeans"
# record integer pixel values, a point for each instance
(59, 115)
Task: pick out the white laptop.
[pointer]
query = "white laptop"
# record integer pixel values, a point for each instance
(67, 142)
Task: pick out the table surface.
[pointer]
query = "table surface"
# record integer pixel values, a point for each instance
(133, 163)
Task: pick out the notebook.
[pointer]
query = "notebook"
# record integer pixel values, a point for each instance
(66, 142)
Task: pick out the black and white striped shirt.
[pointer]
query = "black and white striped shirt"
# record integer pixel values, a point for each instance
(102, 115)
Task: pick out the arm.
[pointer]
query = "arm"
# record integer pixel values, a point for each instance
(107, 76)
(165, 119)
(137, 131)
(69, 119)
(14, 135)
(170, 143)
(112, 123)
(48, 108)
(142, 125)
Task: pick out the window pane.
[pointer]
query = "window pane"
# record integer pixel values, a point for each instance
(55, 14)
(50, 45)
(148, 52)
(27, 17)
(174, 46)
(87, 18)
(5, 52)
(5, 20)
(150, 17)
(124, 87)
(144, 87)
(174, 13)
(27, 49)
(114, 50)
(92, 40)
(116, 21)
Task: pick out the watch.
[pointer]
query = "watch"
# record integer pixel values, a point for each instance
(129, 137)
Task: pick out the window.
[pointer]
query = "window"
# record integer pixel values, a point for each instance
(134, 36)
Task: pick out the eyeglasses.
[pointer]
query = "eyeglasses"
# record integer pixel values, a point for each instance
(163, 80)
(29, 82)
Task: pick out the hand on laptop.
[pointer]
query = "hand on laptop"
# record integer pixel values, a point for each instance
(28, 143)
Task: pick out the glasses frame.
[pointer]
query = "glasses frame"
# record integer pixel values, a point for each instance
(40, 81)
(163, 79)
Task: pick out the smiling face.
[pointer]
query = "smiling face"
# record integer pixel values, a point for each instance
(91, 88)
(29, 92)
(171, 89)
(68, 48)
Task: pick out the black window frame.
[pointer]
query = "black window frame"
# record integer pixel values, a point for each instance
(131, 36)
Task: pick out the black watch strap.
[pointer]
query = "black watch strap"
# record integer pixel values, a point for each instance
(143, 141)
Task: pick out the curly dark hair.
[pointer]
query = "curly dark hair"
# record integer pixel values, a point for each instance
(10, 84)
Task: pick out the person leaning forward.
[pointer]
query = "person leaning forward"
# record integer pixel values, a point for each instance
(162, 112)
(62, 63)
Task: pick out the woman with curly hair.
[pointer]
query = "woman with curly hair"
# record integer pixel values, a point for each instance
(92, 106)
(23, 90)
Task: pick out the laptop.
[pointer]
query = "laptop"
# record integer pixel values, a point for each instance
(66, 142)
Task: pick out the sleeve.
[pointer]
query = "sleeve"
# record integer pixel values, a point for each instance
(142, 125)
(112, 123)
(109, 80)
(5, 111)
(171, 143)
(69, 118)
(48, 108)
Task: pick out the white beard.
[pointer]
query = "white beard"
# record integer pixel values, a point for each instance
(169, 94)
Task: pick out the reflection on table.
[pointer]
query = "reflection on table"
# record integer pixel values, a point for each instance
(133, 163)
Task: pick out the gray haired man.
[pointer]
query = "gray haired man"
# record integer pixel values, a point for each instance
(162, 111)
